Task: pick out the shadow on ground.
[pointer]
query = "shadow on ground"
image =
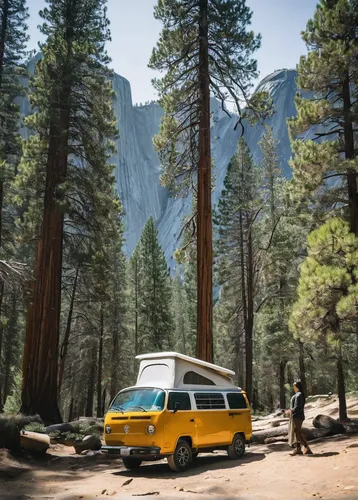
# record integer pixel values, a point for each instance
(323, 455)
(205, 463)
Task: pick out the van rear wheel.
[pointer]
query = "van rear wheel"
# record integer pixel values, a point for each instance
(181, 458)
(237, 447)
(131, 463)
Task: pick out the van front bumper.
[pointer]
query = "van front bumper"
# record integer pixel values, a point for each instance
(143, 452)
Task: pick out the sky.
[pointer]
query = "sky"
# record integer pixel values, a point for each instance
(135, 33)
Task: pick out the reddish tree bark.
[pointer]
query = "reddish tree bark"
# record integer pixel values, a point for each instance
(3, 33)
(341, 387)
(40, 361)
(204, 345)
(249, 326)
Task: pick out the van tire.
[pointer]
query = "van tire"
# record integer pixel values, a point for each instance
(181, 458)
(131, 462)
(236, 449)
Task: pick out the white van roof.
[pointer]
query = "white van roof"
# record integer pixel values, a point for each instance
(172, 370)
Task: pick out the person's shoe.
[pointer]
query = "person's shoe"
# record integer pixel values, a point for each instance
(296, 451)
(307, 451)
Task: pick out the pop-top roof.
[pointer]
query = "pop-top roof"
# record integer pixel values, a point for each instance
(161, 355)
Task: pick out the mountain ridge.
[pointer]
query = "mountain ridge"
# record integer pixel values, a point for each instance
(137, 165)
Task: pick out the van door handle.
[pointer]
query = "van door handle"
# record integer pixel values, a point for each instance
(233, 414)
(192, 420)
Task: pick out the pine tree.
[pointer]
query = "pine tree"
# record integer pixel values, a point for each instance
(155, 321)
(328, 76)
(13, 39)
(328, 293)
(180, 316)
(204, 47)
(134, 285)
(237, 219)
(66, 164)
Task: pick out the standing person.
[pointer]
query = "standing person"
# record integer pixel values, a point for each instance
(296, 437)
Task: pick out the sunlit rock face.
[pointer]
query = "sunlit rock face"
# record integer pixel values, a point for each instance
(137, 166)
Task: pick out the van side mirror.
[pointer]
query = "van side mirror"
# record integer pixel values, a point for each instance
(176, 406)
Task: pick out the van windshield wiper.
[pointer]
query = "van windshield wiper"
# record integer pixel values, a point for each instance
(118, 408)
(141, 407)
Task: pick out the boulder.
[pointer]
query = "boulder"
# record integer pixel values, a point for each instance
(92, 442)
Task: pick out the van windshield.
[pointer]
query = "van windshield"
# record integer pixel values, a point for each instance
(139, 400)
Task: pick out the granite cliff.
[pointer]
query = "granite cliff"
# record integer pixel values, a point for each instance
(137, 167)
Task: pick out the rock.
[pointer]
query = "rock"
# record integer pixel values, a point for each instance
(93, 453)
(328, 423)
(92, 442)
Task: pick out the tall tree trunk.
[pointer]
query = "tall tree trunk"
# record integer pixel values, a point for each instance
(349, 148)
(1, 209)
(283, 364)
(136, 309)
(243, 282)
(66, 338)
(341, 387)
(302, 368)
(9, 346)
(1, 339)
(40, 361)
(103, 402)
(70, 410)
(204, 344)
(115, 356)
(3, 34)
(250, 316)
(99, 368)
(91, 382)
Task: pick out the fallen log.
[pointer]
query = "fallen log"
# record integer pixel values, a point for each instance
(351, 427)
(310, 433)
(60, 428)
(34, 441)
(278, 422)
(260, 436)
(10, 428)
(278, 439)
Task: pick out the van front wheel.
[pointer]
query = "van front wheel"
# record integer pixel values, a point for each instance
(237, 447)
(182, 457)
(131, 463)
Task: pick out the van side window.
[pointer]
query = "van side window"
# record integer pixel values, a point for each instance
(209, 401)
(193, 378)
(236, 400)
(179, 397)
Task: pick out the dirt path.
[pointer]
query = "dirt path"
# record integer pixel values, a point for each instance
(267, 472)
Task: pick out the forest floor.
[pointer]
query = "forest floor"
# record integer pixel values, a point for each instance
(266, 472)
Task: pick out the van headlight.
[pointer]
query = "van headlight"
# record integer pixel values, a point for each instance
(108, 429)
(151, 430)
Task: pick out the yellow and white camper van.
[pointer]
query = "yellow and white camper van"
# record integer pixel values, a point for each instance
(179, 407)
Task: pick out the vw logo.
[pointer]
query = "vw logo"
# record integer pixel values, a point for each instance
(126, 429)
